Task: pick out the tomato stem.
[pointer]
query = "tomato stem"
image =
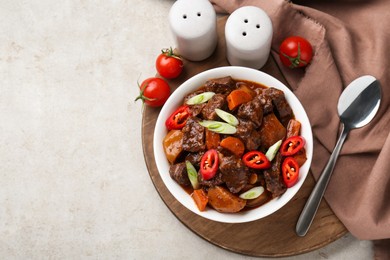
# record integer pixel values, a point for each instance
(170, 53)
(295, 61)
(141, 94)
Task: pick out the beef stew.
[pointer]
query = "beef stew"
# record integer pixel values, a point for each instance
(263, 119)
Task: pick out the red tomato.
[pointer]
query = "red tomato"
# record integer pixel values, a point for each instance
(154, 92)
(292, 145)
(178, 119)
(290, 171)
(209, 164)
(168, 64)
(256, 160)
(295, 52)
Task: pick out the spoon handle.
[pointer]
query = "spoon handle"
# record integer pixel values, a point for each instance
(312, 204)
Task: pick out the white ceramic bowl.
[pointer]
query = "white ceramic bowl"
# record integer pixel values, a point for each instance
(176, 99)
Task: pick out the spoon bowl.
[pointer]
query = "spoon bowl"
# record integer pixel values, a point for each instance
(357, 106)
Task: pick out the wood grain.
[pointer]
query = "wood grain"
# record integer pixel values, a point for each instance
(273, 236)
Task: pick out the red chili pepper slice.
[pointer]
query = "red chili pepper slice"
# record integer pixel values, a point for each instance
(177, 120)
(290, 171)
(292, 145)
(209, 164)
(256, 160)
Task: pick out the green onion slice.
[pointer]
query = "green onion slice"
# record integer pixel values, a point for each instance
(192, 175)
(252, 193)
(271, 152)
(218, 127)
(227, 117)
(200, 98)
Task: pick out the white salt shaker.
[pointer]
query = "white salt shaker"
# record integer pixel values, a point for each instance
(194, 27)
(248, 34)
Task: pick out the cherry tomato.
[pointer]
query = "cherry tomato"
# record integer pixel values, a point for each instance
(154, 92)
(290, 171)
(295, 52)
(168, 64)
(256, 160)
(209, 164)
(292, 145)
(177, 120)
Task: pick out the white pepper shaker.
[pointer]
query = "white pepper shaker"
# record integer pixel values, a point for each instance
(248, 34)
(194, 27)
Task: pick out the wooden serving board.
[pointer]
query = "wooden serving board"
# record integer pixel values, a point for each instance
(272, 236)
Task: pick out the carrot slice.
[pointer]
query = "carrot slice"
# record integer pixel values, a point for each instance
(212, 139)
(234, 145)
(248, 90)
(238, 97)
(200, 198)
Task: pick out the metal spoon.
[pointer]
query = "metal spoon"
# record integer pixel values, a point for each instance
(357, 106)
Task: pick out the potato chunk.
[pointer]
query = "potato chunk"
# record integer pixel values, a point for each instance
(271, 131)
(223, 200)
(173, 145)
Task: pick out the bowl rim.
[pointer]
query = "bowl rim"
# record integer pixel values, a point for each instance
(176, 99)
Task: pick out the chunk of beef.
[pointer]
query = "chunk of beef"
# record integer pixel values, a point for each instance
(195, 109)
(246, 131)
(215, 181)
(220, 85)
(194, 158)
(234, 173)
(265, 100)
(192, 94)
(300, 157)
(273, 178)
(193, 136)
(178, 172)
(217, 101)
(280, 103)
(271, 131)
(252, 110)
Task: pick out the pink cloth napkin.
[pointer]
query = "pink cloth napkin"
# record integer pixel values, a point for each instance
(351, 38)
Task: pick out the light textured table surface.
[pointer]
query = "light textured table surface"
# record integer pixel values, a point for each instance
(73, 180)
